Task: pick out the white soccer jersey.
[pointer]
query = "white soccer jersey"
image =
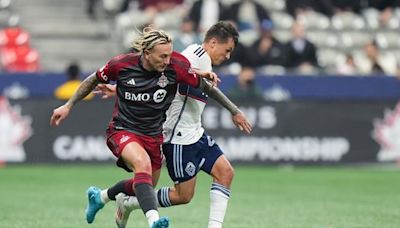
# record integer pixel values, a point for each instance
(183, 123)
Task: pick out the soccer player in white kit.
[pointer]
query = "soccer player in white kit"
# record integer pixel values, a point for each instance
(187, 148)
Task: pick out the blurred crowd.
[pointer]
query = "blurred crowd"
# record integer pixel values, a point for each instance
(277, 37)
(16, 52)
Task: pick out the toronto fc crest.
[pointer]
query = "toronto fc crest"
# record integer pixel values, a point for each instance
(162, 81)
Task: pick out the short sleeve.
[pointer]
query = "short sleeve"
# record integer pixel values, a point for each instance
(184, 72)
(109, 72)
(198, 57)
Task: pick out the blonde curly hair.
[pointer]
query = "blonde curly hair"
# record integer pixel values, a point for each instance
(149, 38)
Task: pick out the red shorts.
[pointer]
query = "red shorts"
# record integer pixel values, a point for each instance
(118, 139)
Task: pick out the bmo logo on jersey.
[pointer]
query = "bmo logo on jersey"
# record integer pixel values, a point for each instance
(158, 96)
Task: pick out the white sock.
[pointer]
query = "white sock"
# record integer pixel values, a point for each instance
(219, 197)
(152, 216)
(104, 196)
(132, 203)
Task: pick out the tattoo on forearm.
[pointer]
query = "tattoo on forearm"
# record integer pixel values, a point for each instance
(83, 90)
(217, 95)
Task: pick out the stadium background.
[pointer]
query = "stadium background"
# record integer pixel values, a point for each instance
(324, 151)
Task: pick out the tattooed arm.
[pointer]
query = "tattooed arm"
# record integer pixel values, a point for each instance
(83, 90)
(238, 117)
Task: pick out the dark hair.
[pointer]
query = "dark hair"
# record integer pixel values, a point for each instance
(73, 71)
(222, 31)
(374, 43)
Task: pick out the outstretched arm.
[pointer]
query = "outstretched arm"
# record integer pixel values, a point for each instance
(83, 90)
(238, 117)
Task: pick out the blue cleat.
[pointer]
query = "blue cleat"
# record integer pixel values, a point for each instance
(94, 204)
(162, 222)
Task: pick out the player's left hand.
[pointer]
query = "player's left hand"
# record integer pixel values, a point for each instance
(211, 76)
(241, 122)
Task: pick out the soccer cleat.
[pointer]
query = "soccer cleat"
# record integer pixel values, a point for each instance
(162, 222)
(123, 211)
(94, 203)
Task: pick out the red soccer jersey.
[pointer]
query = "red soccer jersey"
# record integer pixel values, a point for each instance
(144, 96)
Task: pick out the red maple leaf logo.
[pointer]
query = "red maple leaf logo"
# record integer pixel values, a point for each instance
(15, 130)
(387, 134)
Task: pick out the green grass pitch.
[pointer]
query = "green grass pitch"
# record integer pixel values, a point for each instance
(335, 197)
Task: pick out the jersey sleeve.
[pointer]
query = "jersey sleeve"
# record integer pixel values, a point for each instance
(205, 64)
(184, 71)
(198, 60)
(109, 72)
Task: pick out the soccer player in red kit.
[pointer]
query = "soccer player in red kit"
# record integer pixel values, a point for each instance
(187, 148)
(146, 85)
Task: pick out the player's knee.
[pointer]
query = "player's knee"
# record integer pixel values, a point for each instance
(144, 167)
(229, 173)
(225, 176)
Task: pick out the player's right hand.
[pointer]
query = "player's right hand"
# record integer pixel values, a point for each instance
(105, 90)
(59, 114)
